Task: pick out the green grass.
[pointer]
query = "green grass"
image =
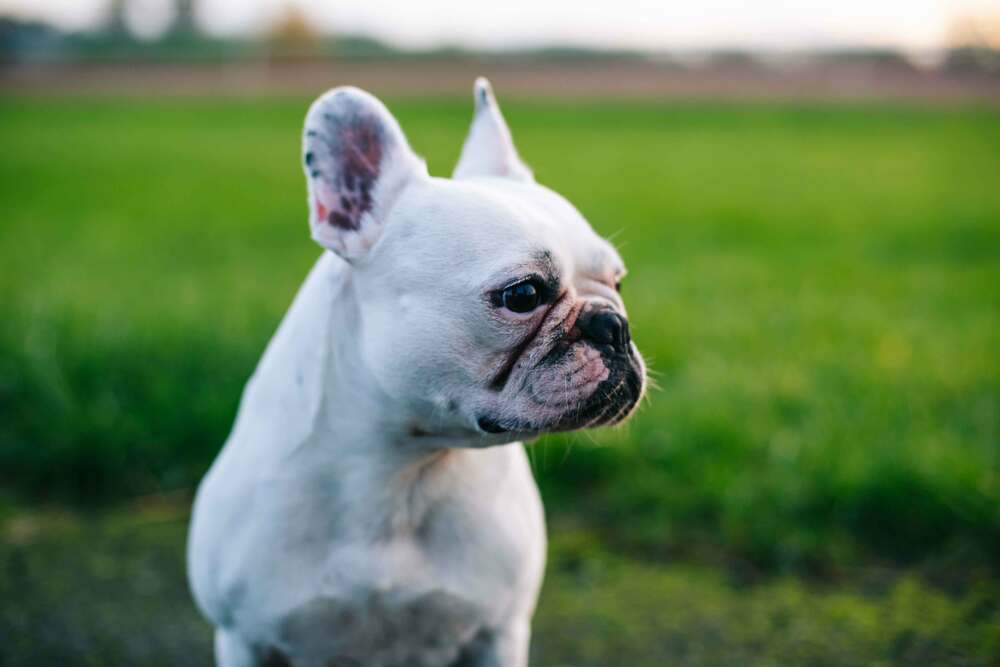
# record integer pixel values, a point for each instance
(817, 288)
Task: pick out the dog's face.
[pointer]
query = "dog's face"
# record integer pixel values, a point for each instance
(486, 303)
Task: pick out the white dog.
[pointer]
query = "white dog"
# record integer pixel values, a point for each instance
(372, 507)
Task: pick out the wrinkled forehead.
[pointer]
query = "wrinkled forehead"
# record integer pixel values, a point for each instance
(493, 226)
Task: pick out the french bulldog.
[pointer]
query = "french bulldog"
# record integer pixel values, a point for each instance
(373, 505)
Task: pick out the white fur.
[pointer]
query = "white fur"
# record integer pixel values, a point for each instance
(358, 515)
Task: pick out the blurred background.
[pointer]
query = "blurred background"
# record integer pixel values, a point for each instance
(806, 194)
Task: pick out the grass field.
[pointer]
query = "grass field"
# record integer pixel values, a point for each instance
(109, 590)
(816, 286)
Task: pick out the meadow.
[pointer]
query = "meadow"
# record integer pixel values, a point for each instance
(816, 287)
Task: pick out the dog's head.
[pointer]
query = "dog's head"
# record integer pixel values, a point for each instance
(486, 304)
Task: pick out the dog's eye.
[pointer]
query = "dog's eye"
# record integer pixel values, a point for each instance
(523, 297)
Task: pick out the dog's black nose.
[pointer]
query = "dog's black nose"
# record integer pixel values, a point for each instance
(606, 327)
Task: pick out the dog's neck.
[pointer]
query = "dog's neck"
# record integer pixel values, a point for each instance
(312, 411)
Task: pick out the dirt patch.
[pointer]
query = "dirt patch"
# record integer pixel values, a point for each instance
(641, 80)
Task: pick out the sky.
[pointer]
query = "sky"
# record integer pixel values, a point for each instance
(910, 25)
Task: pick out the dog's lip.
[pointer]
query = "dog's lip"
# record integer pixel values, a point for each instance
(500, 381)
(490, 425)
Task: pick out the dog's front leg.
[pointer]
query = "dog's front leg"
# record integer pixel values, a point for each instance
(232, 651)
(505, 647)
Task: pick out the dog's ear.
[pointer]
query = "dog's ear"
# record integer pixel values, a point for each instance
(357, 162)
(489, 149)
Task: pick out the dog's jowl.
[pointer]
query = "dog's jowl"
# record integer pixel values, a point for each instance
(373, 504)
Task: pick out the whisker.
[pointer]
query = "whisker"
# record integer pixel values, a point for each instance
(568, 449)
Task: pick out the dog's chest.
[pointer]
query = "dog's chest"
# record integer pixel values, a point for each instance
(413, 588)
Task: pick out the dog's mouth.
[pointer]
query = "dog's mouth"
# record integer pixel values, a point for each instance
(609, 388)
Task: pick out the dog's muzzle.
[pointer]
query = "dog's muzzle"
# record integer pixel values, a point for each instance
(605, 332)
